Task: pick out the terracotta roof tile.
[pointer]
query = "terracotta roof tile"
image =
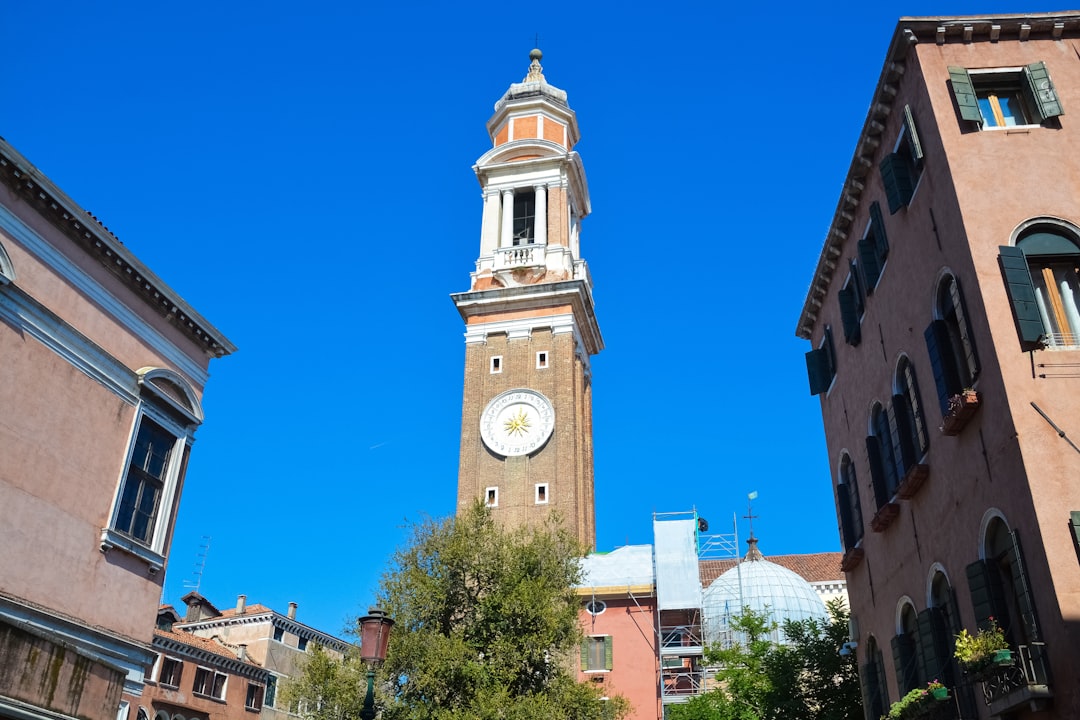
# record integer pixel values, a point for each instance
(255, 609)
(211, 645)
(814, 567)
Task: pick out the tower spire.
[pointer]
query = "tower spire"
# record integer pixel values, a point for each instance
(536, 71)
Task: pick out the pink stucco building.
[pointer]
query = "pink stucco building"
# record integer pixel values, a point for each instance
(945, 330)
(102, 370)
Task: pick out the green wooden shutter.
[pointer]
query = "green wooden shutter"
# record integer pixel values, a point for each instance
(1040, 91)
(896, 176)
(868, 261)
(847, 529)
(931, 645)
(608, 655)
(912, 135)
(945, 378)
(1074, 522)
(1025, 600)
(890, 452)
(1021, 291)
(987, 597)
(964, 94)
(903, 648)
(849, 314)
(817, 370)
(877, 227)
(877, 471)
(967, 339)
(585, 654)
(904, 432)
(868, 685)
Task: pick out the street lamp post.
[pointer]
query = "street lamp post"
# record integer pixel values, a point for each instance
(374, 638)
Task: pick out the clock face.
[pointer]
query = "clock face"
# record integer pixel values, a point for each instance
(517, 422)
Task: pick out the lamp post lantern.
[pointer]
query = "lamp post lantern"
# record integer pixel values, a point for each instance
(374, 638)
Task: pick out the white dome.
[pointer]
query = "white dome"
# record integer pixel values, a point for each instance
(762, 586)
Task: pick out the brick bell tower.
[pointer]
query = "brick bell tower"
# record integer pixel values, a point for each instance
(530, 326)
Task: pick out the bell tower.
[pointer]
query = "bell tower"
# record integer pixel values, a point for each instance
(530, 326)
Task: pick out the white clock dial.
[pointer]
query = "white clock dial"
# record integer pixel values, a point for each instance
(517, 422)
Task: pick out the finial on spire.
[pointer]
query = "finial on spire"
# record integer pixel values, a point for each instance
(536, 72)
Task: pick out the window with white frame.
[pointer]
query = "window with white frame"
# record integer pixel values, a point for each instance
(123, 710)
(271, 691)
(496, 364)
(1043, 276)
(541, 360)
(209, 683)
(491, 497)
(255, 695)
(169, 671)
(596, 653)
(167, 416)
(1005, 97)
(541, 493)
(524, 217)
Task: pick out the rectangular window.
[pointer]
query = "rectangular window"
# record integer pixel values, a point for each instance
(279, 634)
(852, 306)
(271, 691)
(145, 481)
(873, 249)
(301, 643)
(209, 683)
(492, 497)
(496, 364)
(524, 217)
(821, 364)
(596, 655)
(255, 695)
(902, 168)
(1005, 97)
(541, 493)
(170, 671)
(541, 360)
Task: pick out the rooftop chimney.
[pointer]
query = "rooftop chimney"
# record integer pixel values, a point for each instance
(292, 611)
(241, 650)
(241, 604)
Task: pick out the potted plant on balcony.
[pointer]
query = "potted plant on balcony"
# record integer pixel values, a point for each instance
(980, 653)
(961, 407)
(919, 703)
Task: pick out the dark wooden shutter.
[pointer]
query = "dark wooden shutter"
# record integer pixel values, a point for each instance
(907, 676)
(1074, 523)
(912, 135)
(987, 597)
(1025, 601)
(946, 379)
(964, 94)
(1040, 92)
(849, 313)
(847, 526)
(891, 454)
(967, 336)
(932, 645)
(899, 184)
(868, 261)
(1022, 294)
(877, 471)
(872, 708)
(905, 435)
(818, 370)
(877, 227)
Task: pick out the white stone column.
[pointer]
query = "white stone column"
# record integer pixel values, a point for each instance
(540, 221)
(489, 223)
(506, 239)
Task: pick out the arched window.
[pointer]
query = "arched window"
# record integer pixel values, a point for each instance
(881, 455)
(905, 659)
(1045, 298)
(847, 494)
(939, 625)
(912, 439)
(951, 343)
(1000, 587)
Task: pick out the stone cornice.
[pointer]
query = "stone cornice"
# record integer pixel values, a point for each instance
(30, 184)
(909, 32)
(576, 293)
(216, 660)
(298, 629)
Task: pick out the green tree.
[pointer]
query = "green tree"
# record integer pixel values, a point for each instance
(486, 623)
(804, 679)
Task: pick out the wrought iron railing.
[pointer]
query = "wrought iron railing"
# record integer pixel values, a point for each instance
(1025, 682)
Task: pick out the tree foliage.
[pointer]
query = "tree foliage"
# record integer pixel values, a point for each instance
(804, 679)
(486, 621)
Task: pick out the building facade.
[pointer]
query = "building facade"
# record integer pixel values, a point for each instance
(103, 368)
(275, 642)
(945, 331)
(196, 678)
(530, 326)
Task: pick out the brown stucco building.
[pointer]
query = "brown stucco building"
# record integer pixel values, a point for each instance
(943, 317)
(102, 370)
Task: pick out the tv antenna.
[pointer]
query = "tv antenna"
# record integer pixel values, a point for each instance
(200, 565)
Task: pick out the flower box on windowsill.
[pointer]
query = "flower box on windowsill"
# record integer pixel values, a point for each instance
(913, 480)
(885, 516)
(852, 558)
(961, 409)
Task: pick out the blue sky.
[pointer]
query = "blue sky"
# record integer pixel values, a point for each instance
(301, 174)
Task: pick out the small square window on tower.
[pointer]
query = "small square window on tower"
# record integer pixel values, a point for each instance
(541, 360)
(496, 364)
(491, 497)
(541, 493)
